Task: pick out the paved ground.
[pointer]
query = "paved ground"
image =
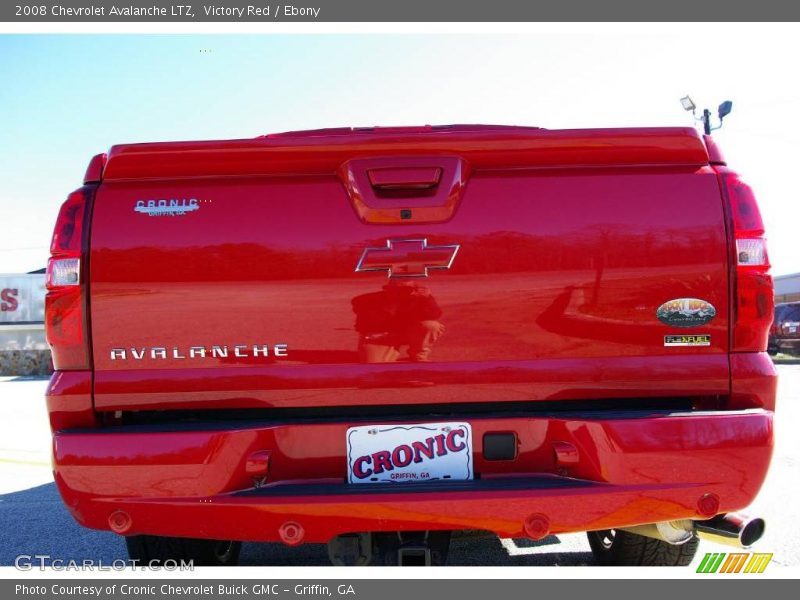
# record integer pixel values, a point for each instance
(33, 520)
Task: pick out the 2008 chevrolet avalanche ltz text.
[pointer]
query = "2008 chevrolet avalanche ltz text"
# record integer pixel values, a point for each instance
(373, 338)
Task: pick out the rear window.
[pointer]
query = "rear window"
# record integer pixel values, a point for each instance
(789, 313)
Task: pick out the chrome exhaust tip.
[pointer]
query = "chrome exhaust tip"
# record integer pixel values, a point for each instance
(733, 529)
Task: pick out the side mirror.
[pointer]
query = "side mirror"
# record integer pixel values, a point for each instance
(724, 109)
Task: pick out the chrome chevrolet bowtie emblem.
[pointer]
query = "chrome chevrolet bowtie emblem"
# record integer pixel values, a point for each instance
(407, 258)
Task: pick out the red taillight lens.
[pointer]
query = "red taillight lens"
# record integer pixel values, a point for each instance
(65, 324)
(65, 329)
(753, 305)
(744, 210)
(68, 234)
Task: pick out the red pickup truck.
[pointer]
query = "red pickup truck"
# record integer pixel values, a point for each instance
(374, 338)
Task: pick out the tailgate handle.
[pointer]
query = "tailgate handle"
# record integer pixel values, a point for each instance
(405, 178)
(405, 189)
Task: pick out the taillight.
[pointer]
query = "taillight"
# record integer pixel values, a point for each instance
(753, 296)
(65, 305)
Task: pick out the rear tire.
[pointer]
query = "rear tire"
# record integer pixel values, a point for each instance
(204, 553)
(613, 547)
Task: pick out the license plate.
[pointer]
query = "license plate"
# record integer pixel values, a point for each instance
(402, 453)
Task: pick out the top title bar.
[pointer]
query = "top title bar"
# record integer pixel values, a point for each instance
(139, 11)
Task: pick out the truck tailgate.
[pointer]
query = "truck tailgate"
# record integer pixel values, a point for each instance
(526, 266)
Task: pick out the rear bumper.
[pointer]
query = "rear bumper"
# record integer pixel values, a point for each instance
(574, 472)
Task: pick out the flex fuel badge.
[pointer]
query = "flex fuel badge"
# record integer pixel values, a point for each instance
(702, 339)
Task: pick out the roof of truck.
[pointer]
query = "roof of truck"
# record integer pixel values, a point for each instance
(321, 151)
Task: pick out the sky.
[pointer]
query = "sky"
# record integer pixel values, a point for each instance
(64, 98)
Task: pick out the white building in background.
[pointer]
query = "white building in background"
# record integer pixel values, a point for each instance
(23, 349)
(787, 288)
